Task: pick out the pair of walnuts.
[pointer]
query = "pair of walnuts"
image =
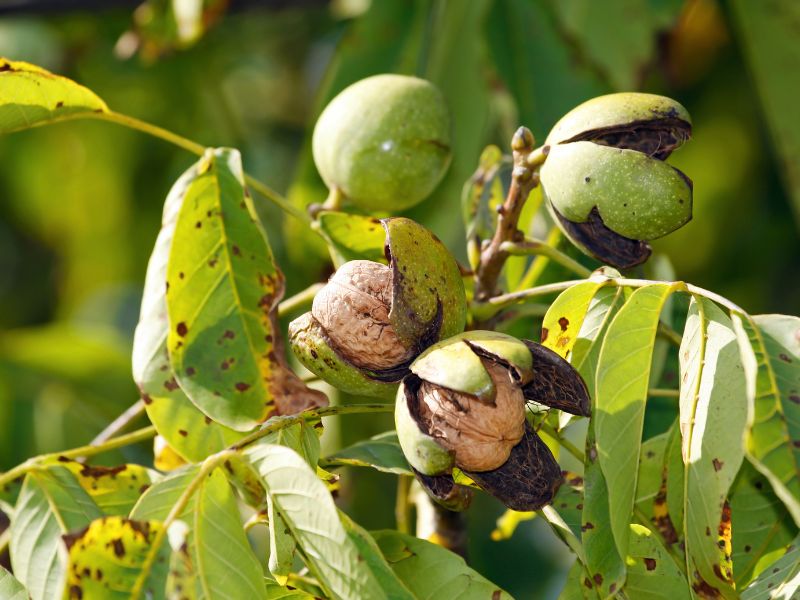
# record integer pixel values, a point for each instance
(397, 328)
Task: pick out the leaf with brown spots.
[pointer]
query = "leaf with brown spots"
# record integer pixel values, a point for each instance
(352, 237)
(773, 388)
(115, 558)
(653, 574)
(31, 96)
(423, 567)
(713, 412)
(565, 316)
(166, 404)
(228, 310)
(780, 580)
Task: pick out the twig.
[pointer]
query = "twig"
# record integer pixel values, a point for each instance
(661, 393)
(402, 507)
(523, 180)
(299, 300)
(542, 248)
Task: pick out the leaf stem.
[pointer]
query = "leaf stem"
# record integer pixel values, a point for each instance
(299, 300)
(564, 443)
(402, 507)
(198, 149)
(121, 422)
(84, 451)
(530, 246)
(662, 393)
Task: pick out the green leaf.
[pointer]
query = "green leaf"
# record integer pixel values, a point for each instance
(651, 472)
(761, 524)
(770, 353)
(578, 586)
(115, 559)
(281, 544)
(226, 566)
(10, 587)
(187, 430)
(623, 374)
(223, 287)
(569, 501)
(309, 512)
(564, 319)
(368, 548)
(431, 571)
(767, 35)
(652, 573)
(157, 502)
(352, 237)
(31, 96)
(713, 412)
(113, 489)
(50, 504)
(381, 452)
(623, 57)
(275, 591)
(780, 581)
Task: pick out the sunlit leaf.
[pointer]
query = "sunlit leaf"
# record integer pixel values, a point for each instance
(116, 558)
(381, 452)
(768, 35)
(50, 504)
(564, 318)
(193, 435)
(713, 408)
(508, 522)
(762, 526)
(277, 592)
(779, 581)
(31, 96)
(10, 587)
(226, 566)
(313, 520)
(770, 352)
(352, 237)
(653, 574)
(623, 374)
(223, 285)
(425, 567)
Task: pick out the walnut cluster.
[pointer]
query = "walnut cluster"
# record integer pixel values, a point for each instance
(353, 308)
(480, 434)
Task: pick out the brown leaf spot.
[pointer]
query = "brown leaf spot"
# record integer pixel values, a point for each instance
(598, 579)
(544, 334)
(650, 564)
(747, 548)
(612, 588)
(224, 365)
(212, 262)
(587, 582)
(183, 432)
(794, 398)
(97, 472)
(190, 371)
(181, 275)
(587, 526)
(207, 420)
(147, 399)
(171, 385)
(563, 322)
(497, 594)
(75, 591)
(198, 225)
(236, 251)
(717, 464)
(181, 329)
(242, 386)
(119, 547)
(784, 357)
(228, 334)
(563, 341)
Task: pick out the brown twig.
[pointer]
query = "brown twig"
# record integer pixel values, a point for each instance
(524, 178)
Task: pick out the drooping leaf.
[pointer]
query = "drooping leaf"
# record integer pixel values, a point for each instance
(623, 374)
(427, 569)
(313, 520)
(652, 573)
(713, 414)
(225, 564)
(767, 36)
(564, 318)
(113, 489)
(369, 550)
(31, 96)
(193, 435)
(770, 352)
(352, 237)
(116, 558)
(381, 452)
(761, 524)
(780, 580)
(223, 287)
(50, 504)
(10, 587)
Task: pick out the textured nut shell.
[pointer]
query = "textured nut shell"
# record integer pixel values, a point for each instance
(480, 434)
(353, 308)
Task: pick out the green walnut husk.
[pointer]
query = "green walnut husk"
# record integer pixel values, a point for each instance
(464, 404)
(384, 142)
(605, 179)
(371, 320)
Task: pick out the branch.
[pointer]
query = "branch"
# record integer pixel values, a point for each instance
(120, 423)
(542, 248)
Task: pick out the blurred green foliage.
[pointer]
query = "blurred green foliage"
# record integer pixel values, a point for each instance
(80, 203)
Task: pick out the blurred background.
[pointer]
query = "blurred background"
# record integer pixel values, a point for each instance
(80, 202)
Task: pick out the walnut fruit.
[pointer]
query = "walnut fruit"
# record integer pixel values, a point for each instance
(605, 178)
(463, 405)
(384, 142)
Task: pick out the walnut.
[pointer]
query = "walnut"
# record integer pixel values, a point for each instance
(353, 308)
(479, 433)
